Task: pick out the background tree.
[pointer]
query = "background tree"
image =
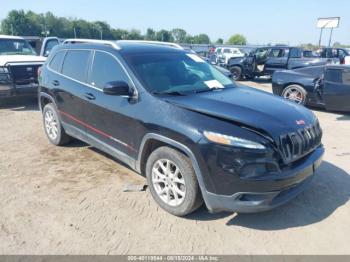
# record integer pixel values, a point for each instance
(150, 34)
(179, 35)
(237, 39)
(164, 36)
(220, 41)
(19, 22)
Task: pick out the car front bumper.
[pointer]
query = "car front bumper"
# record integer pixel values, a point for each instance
(284, 187)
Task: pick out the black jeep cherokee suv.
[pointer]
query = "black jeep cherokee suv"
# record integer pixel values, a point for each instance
(168, 114)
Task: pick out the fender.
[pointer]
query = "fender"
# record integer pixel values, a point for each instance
(43, 94)
(180, 146)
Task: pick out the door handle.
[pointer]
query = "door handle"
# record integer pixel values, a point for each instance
(55, 82)
(89, 96)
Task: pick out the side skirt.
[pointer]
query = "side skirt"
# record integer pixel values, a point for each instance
(93, 141)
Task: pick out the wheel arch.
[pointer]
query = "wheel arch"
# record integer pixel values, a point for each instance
(45, 99)
(152, 141)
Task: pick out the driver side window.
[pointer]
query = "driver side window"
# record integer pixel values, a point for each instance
(105, 69)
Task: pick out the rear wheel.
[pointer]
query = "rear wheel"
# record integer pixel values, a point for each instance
(172, 181)
(53, 127)
(295, 93)
(236, 73)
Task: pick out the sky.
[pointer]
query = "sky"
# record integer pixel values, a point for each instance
(261, 21)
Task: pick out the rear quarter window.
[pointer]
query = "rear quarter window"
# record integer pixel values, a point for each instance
(75, 64)
(56, 61)
(334, 75)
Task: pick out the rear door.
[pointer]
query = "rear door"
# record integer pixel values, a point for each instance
(69, 88)
(337, 89)
(277, 60)
(296, 59)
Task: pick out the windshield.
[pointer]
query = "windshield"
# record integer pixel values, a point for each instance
(176, 72)
(15, 47)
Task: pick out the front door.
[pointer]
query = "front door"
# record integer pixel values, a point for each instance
(337, 89)
(109, 118)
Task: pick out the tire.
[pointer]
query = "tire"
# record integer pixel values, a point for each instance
(165, 187)
(236, 72)
(295, 93)
(53, 127)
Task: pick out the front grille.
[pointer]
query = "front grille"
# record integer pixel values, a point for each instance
(24, 74)
(294, 146)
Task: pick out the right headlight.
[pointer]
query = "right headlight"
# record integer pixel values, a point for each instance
(232, 140)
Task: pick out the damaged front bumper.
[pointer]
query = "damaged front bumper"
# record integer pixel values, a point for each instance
(284, 186)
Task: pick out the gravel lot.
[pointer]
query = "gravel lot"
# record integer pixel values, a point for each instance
(70, 200)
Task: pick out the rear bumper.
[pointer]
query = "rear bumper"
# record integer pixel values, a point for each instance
(10, 90)
(282, 190)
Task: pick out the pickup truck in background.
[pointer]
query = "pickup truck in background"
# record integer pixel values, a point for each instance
(336, 53)
(42, 46)
(264, 61)
(19, 65)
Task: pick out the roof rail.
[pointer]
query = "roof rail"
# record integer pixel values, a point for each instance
(152, 42)
(94, 41)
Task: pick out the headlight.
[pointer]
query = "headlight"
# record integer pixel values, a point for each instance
(231, 140)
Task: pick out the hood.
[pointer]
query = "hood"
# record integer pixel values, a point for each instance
(249, 107)
(4, 59)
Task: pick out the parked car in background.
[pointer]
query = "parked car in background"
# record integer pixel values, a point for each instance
(322, 86)
(42, 45)
(19, 65)
(196, 135)
(310, 53)
(340, 54)
(265, 61)
(224, 54)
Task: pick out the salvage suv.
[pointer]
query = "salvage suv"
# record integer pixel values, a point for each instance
(168, 114)
(18, 67)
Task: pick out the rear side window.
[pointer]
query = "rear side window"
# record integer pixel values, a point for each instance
(295, 53)
(276, 53)
(75, 64)
(57, 60)
(106, 68)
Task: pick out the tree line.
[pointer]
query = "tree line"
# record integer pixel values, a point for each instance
(21, 23)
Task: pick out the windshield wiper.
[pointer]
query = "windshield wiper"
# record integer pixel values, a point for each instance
(208, 89)
(175, 93)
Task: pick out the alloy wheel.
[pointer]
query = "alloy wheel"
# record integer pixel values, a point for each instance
(168, 182)
(51, 125)
(294, 94)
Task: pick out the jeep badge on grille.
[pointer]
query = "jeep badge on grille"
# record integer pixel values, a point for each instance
(300, 122)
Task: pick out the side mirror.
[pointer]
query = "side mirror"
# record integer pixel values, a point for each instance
(117, 88)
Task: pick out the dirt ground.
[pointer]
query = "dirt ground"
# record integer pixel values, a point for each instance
(70, 200)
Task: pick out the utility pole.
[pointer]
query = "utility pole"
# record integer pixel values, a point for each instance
(319, 42)
(330, 38)
(11, 28)
(75, 32)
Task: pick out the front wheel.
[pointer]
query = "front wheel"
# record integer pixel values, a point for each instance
(236, 73)
(295, 93)
(172, 181)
